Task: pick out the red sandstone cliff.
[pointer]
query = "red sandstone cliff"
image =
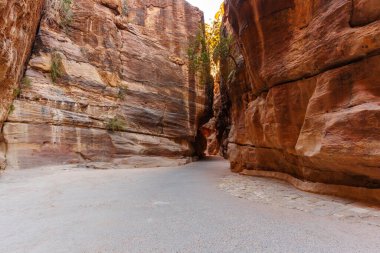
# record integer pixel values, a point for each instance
(108, 81)
(307, 100)
(18, 25)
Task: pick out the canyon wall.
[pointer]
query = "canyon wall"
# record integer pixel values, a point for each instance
(108, 81)
(18, 25)
(306, 101)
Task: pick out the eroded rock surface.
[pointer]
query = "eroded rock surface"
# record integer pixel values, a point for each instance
(109, 82)
(307, 101)
(18, 25)
(209, 130)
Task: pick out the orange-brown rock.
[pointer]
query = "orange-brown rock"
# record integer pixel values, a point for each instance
(18, 25)
(365, 12)
(209, 130)
(109, 82)
(307, 101)
(292, 39)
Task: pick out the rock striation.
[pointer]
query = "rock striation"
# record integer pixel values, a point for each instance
(18, 25)
(108, 81)
(307, 100)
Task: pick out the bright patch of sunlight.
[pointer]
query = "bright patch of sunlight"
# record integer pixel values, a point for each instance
(209, 7)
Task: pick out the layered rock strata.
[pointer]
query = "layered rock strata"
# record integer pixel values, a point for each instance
(109, 81)
(307, 100)
(18, 25)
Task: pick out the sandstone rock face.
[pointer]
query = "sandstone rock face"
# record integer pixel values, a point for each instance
(109, 82)
(307, 101)
(18, 25)
(209, 130)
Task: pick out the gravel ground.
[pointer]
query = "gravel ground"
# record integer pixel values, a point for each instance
(200, 207)
(280, 194)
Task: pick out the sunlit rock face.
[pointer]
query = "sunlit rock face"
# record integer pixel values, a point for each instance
(307, 101)
(18, 25)
(121, 92)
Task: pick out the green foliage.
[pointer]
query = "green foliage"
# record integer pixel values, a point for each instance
(122, 92)
(59, 11)
(199, 57)
(11, 109)
(221, 46)
(124, 8)
(115, 124)
(213, 29)
(26, 82)
(210, 49)
(56, 67)
(16, 92)
(222, 49)
(66, 13)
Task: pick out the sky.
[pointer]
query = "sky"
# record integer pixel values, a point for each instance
(209, 7)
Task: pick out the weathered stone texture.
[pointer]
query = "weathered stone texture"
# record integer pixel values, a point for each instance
(365, 12)
(209, 130)
(120, 60)
(307, 101)
(18, 25)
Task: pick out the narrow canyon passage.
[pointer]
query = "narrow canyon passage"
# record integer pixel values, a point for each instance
(107, 107)
(180, 209)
